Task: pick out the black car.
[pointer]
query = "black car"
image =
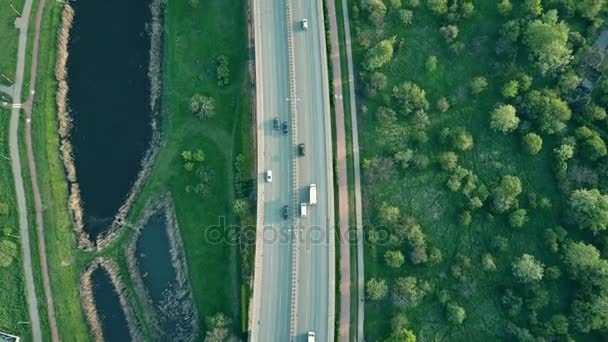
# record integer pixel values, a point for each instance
(275, 124)
(301, 150)
(285, 212)
(285, 129)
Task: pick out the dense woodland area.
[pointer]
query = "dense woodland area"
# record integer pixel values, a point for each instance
(485, 168)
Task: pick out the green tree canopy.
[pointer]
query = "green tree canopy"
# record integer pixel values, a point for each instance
(394, 258)
(547, 40)
(548, 110)
(505, 194)
(410, 97)
(376, 289)
(379, 54)
(533, 143)
(527, 269)
(589, 209)
(504, 119)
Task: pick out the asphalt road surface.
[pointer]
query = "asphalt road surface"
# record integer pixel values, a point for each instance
(315, 288)
(275, 296)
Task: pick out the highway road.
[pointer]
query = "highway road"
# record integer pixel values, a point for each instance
(301, 90)
(275, 291)
(316, 284)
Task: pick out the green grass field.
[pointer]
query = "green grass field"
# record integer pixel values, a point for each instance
(13, 307)
(422, 192)
(9, 36)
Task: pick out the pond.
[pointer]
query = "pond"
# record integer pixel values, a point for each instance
(111, 316)
(109, 101)
(169, 293)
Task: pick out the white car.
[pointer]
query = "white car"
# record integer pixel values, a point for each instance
(269, 176)
(304, 24)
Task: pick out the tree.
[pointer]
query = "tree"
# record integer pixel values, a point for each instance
(439, 7)
(380, 54)
(409, 291)
(223, 71)
(388, 214)
(504, 119)
(592, 314)
(410, 97)
(548, 42)
(8, 252)
(240, 207)
(395, 4)
(449, 32)
(533, 143)
(596, 113)
(478, 85)
(455, 314)
(592, 145)
(404, 158)
(583, 262)
(568, 82)
(406, 16)
(202, 106)
(534, 7)
(402, 335)
(548, 110)
(199, 155)
(461, 139)
(505, 7)
(557, 325)
(431, 64)
(443, 105)
(466, 218)
(448, 161)
(589, 209)
(394, 258)
(527, 269)
(435, 256)
(488, 263)
(377, 82)
(590, 8)
(376, 289)
(505, 194)
(518, 218)
(510, 89)
(376, 9)
(219, 328)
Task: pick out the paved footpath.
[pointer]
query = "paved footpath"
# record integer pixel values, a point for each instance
(343, 210)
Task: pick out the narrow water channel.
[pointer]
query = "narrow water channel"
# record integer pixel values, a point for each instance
(113, 320)
(169, 294)
(109, 103)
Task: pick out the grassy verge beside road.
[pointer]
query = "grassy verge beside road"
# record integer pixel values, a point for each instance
(9, 36)
(195, 36)
(63, 257)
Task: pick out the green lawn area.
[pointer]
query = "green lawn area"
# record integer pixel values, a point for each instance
(13, 307)
(9, 36)
(421, 192)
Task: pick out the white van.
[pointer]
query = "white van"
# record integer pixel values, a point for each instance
(303, 209)
(304, 24)
(269, 176)
(312, 195)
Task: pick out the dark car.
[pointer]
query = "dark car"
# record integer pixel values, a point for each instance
(301, 150)
(275, 124)
(285, 129)
(285, 212)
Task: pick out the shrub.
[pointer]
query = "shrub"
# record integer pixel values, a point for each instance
(455, 314)
(510, 89)
(533, 143)
(376, 289)
(406, 16)
(518, 218)
(202, 106)
(504, 119)
(431, 63)
(505, 7)
(439, 7)
(443, 105)
(448, 161)
(223, 71)
(488, 263)
(478, 85)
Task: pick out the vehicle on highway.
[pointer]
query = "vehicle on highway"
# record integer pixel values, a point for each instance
(275, 123)
(285, 128)
(285, 212)
(269, 176)
(303, 209)
(312, 194)
(304, 24)
(311, 336)
(301, 150)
